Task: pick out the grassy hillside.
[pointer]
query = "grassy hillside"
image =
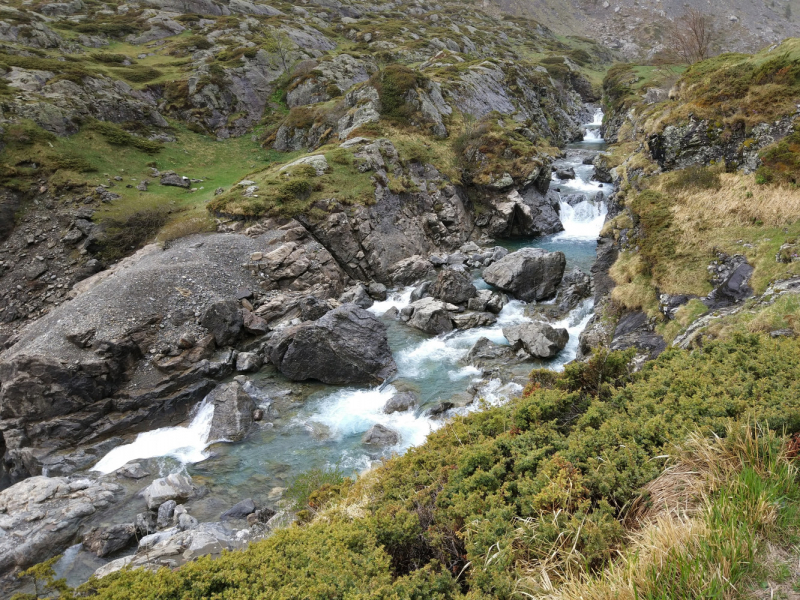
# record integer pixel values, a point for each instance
(547, 491)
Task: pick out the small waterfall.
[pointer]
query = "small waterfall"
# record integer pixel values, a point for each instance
(598, 117)
(583, 221)
(186, 444)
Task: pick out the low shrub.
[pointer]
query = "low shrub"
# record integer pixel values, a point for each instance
(124, 235)
(293, 189)
(72, 163)
(114, 134)
(699, 178)
(138, 74)
(781, 161)
(393, 84)
(109, 58)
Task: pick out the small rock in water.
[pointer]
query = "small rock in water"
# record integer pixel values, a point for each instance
(165, 512)
(379, 435)
(400, 402)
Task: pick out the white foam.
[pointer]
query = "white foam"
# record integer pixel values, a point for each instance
(399, 300)
(583, 221)
(349, 412)
(186, 444)
(593, 136)
(598, 117)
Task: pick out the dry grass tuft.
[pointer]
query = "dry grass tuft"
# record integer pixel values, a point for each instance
(738, 202)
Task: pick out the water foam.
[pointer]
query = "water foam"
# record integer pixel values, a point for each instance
(583, 221)
(350, 412)
(186, 444)
(598, 117)
(399, 300)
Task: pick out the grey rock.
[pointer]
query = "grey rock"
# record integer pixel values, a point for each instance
(186, 522)
(357, 295)
(485, 353)
(379, 435)
(173, 179)
(248, 362)
(240, 510)
(233, 412)
(165, 512)
(537, 339)
(420, 291)
(410, 270)
(431, 316)
(488, 300)
(145, 523)
(41, 516)
(453, 286)
(253, 324)
(132, 471)
(106, 540)
(400, 402)
(377, 291)
(568, 173)
(312, 308)
(530, 274)
(346, 345)
(469, 320)
(172, 487)
(224, 321)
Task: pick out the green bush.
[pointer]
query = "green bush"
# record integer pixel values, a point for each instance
(293, 189)
(123, 236)
(781, 161)
(26, 133)
(72, 163)
(114, 134)
(138, 74)
(314, 487)
(108, 58)
(393, 84)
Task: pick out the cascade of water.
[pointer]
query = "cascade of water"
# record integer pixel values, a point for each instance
(186, 444)
(582, 221)
(598, 117)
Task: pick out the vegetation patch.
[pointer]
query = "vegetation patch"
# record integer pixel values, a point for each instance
(123, 236)
(781, 162)
(393, 84)
(114, 134)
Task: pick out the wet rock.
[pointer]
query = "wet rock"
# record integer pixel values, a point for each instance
(233, 412)
(172, 487)
(568, 173)
(377, 291)
(530, 274)
(248, 362)
(420, 291)
(346, 345)
(469, 320)
(440, 409)
(574, 199)
(486, 353)
(453, 286)
(488, 300)
(240, 510)
(173, 179)
(41, 516)
(602, 171)
(410, 270)
(185, 521)
(537, 339)
(224, 321)
(400, 402)
(106, 540)
(165, 512)
(132, 471)
(357, 295)
(431, 316)
(379, 435)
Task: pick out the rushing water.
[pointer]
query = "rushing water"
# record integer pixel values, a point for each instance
(318, 425)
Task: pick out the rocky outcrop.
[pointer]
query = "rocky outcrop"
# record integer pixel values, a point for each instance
(400, 402)
(487, 354)
(529, 274)
(347, 345)
(380, 435)
(41, 515)
(530, 213)
(430, 315)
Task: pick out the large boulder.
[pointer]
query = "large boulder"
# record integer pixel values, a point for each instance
(106, 540)
(453, 286)
(172, 487)
(347, 345)
(537, 339)
(233, 412)
(224, 320)
(529, 274)
(485, 353)
(410, 270)
(173, 179)
(431, 316)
